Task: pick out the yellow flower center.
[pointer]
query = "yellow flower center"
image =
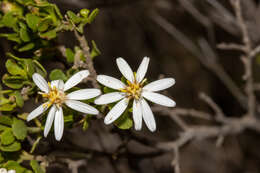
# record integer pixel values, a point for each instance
(55, 96)
(133, 90)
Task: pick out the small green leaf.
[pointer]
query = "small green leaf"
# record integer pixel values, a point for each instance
(1, 158)
(7, 107)
(85, 125)
(18, 99)
(32, 21)
(57, 74)
(44, 25)
(48, 35)
(13, 68)
(36, 167)
(15, 166)
(68, 118)
(12, 37)
(26, 47)
(39, 68)
(93, 15)
(24, 35)
(16, 146)
(5, 120)
(95, 51)
(2, 127)
(124, 121)
(15, 82)
(74, 18)
(19, 129)
(9, 20)
(70, 55)
(84, 12)
(7, 137)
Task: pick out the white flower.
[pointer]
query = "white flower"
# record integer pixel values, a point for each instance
(3, 170)
(54, 92)
(134, 89)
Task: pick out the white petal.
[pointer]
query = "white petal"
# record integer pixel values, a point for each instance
(11, 171)
(142, 69)
(109, 98)
(49, 120)
(148, 116)
(110, 82)
(116, 111)
(75, 79)
(81, 107)
(83, 94)
(125, 69)
(159, 85)
(3, 170)
(159, 99)
(58, 84)
(40, 82)
(36, 112)
(137, 115)
(58, 124)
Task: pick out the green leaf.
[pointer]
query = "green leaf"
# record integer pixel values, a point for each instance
(32, 21)
(24, 35)
(18, 99)
(85, 124)
(95, 51)
(2, 127)
(19, 129)
(39, 68)
(1, 158)
(13, 68)
(7, 137)
(26, 47)
(48, 35)
(84, 12)
(15, 166)
(124, 122)
(93, 15)
(12, 37)
(74, 18)
(70, 55)
(5, 120)
(7, 107)
(36, 167)
(9, 20)
(57, 74)
(68, 118)
(15, 82)
(44, 25)
(16, 146)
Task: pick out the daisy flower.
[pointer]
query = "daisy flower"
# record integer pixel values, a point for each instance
(135, 90)
(55, 94)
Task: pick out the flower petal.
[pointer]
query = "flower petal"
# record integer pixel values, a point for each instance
(142, 69)
(83, 94)
(36, 112)
(3, 170)
(58, 124)
(58, 84)
(75, 79)
(159, 85)
(109, 98)
(159, 99)
(116, 111)
(125, 69)
(40, 82)
(49, 120)
(148, 116)
(81, 107)
(110, 82)
(11, 171)
(137, 115)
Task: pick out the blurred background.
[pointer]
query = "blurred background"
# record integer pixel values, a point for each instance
(180, 37)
